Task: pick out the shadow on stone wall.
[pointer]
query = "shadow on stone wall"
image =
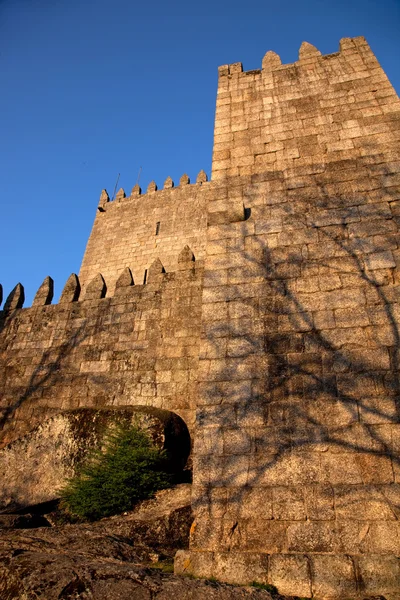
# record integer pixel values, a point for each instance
(306, 389)
(49, 369)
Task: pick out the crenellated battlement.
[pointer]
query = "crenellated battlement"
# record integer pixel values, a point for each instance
(97, 288)
(136, 191)
(308, 54)
(133, 231)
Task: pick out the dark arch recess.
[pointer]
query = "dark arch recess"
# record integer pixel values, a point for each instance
(69, 439)
(167, 429)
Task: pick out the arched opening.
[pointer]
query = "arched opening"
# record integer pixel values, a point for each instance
(168, 431)
(38, 464)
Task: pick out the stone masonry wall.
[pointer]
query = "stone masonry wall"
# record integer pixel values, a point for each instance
(134, 231)
(138, 347)
(293, 116)
(296, 467)
(280, 343)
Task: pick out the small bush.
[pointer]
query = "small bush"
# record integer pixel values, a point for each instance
(127, 469)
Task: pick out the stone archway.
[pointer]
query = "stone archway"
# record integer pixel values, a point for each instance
(37, 465)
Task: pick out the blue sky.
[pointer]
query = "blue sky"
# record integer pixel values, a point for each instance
(93, 88)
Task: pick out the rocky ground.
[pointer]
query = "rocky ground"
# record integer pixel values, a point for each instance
(128, 557)
(124, 557)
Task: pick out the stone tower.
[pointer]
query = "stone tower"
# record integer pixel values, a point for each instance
(262, 308)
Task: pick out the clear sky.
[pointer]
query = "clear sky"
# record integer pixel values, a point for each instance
(93, 88)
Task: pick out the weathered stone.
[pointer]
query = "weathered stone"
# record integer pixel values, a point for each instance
(152, 187)
(15, 298)
(235, 68)
(125, 279)
(239, 567)
(45, 293)
(184, 180)
(120, 195)
(136, 190)
(333, 576)
(222, 212)
(290, 573)
(39, 463)
(319, 501)
(380, 575)
(189, 563)
(168, 183)
(185, 256)
(61, 572)
(155, 271)
(288, 504)
(202, 177)
(271, 61)
(71, 290)
(308, 50)
(104, 199)
(96, 288)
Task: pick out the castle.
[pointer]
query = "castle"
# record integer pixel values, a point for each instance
(261, 307)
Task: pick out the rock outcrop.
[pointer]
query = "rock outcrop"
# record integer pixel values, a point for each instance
(115, 558)
(126, 557)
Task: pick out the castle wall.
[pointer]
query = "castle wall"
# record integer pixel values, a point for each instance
(125, 232)
(296, 467)
(280, 342)
(138, 347)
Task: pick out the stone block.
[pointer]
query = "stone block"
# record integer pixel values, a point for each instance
(311, 536)
(323, 319)
(362, 503)
(71, 290)
(271, 61)
(380, 575)
(351, 317)
(332, 466)
(225, 212)
(250, 501)
(15, 299)
(288, 503)
(375, 469)
(377, 409)
(380, 260)
(241, 567)
(193, 563)
(380, 537)
(333, 577)
(96, 289)
(319, 502)
(237, 441)
(45, 293)
(291, 574)
(288, 469)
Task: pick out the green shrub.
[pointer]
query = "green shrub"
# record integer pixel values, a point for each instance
(127, 469)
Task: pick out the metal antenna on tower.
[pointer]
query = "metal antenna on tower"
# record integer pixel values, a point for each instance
(115, 187)
(138, 177)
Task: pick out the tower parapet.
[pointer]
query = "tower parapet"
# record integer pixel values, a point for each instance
(97, 287)
(309, 112)
(104, 201)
